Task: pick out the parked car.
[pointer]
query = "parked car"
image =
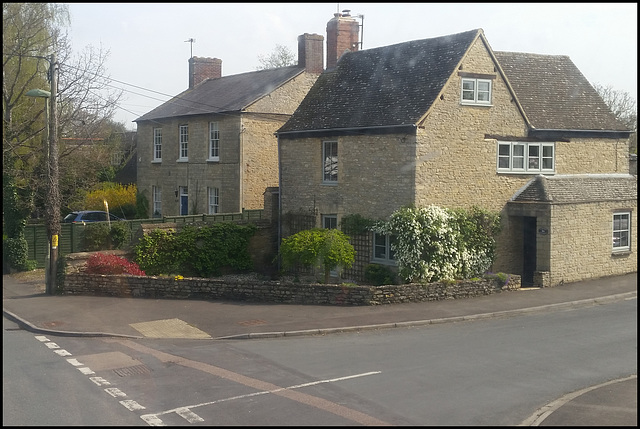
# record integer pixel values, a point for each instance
(89, 216)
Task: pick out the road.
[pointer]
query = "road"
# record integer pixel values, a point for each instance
(486, 372)
(40, 388)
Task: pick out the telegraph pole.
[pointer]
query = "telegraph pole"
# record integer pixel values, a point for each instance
(53, 196)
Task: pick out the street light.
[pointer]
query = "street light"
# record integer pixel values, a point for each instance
(53, 191)
(41, 93)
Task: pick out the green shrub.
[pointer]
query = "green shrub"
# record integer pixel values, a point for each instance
(142, 206)
(317, 247)
(355, 224)
(196, 251)
(96, 236)
(215, 248)
(15, 252)
(379, 275)
(120, 234)
(156, 253)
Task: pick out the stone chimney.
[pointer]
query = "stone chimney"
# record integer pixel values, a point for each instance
(342, 35)
(201, 68)
(311, 52)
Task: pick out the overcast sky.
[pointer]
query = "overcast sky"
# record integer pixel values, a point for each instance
(149, 49)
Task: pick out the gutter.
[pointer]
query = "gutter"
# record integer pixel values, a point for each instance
(350, 129)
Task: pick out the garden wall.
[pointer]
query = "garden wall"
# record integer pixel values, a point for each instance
(78, 283)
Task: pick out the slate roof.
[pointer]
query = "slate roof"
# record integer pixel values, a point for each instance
(577, 188)
(554, 94)
(387, 86)
(225, 94)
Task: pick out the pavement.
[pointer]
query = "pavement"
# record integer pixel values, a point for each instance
(612, 403)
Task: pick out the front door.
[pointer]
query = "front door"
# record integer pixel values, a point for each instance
(184, 201)
(529, 250)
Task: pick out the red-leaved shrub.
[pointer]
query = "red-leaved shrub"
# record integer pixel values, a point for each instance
(101, 263)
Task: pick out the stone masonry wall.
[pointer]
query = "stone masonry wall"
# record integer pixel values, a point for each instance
(198, 173)
(247, 142)
(277, 292)
(587, 230)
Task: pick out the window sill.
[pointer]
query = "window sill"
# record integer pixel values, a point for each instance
(213, 159)
(625, 252)
(156, 161)
(530, 173)
(384, 262)
(182, 160)
(330, 183)
(468, 103)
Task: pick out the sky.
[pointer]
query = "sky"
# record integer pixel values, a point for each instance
(149, 49)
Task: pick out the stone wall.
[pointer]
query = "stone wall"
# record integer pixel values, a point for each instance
(77, 283)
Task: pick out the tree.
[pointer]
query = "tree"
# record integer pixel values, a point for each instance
(623, 106)
(327, 248)
(280, 57)
(31, 33)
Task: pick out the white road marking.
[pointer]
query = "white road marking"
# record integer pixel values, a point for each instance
(152, 420)
(189, 415)
(100, 381)
(185, 412)
(115, 392)
(132, 405)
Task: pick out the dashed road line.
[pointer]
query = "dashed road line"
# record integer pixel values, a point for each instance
(129, 404)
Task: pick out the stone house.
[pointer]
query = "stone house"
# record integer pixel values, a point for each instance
(212, 148)
(448, 121)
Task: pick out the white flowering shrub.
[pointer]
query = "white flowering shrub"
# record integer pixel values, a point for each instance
(434, 243)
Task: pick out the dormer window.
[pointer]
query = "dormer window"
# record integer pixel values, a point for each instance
(476, 91)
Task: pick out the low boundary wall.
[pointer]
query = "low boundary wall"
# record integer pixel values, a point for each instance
(78, 283)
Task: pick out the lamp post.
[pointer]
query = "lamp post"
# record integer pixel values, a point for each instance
(53, 190)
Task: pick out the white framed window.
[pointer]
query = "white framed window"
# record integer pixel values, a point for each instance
(330, 221)
(184, 143)
(214, 142)
(621, 230)
(382, 249)
(214, 200)
(157, 144)
(157, 201)
(475, 91)
(330, 162)
(526, 157)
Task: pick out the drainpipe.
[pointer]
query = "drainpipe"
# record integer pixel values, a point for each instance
(279, 237)
(241, 172)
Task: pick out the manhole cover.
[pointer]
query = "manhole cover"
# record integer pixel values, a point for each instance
(132, 370)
